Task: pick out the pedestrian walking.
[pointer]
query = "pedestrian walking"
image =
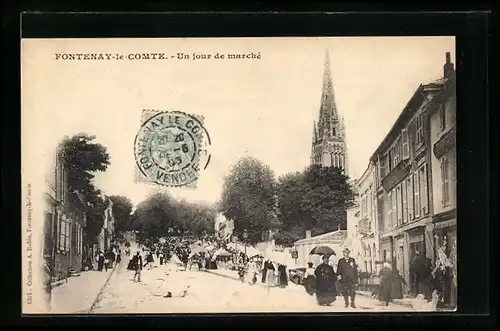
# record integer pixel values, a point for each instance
(386, 277)
(347, 270)
(118, 256)
(325, 283)
(136, 265)
(149, 260)
(251, 271)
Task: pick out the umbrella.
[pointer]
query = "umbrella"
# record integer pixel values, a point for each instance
(322, 250)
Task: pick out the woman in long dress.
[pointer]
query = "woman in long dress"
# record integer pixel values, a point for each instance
(325, 283)
(250, 272)
(386, 279)
(270, 277)
(310, 279)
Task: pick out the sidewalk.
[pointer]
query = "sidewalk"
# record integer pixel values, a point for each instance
(78, 294)
(407, 302)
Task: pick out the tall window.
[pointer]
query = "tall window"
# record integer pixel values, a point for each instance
(445, 180)
(424, 194)
(64, 230)
(405, 144)
(78, 238)
(394, 207)
(442, 117)
(420, 131)
(409, 189)
(389, 210)
(382, 168)
(395, 153)
(399, 209)
(404, 193)
(416, 193)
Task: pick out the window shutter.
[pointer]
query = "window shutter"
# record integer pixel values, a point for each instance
(416, 190)
(423, 189)
(406, 146)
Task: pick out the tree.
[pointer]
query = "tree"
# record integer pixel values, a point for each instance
(315, 199)
(82, 157)
(249, 198)
(155, 215)
(122, 210)
(160, 212)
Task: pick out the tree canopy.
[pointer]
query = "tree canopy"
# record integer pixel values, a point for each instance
(249, 198)
(160, 213)
(315, 199)
(82, 157)
(122, 211)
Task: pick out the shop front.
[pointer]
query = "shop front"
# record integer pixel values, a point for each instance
(445, 243)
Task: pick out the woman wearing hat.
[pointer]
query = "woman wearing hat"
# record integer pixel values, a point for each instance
(325, 282)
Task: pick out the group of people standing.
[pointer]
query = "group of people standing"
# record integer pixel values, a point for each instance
(272, 274)
(323, 280)
(105, 261)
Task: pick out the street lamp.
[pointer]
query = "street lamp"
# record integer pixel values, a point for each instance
(245, 236)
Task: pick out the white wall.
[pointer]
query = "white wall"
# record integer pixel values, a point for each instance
(352, 221)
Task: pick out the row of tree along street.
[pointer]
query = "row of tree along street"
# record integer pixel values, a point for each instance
(314, 199)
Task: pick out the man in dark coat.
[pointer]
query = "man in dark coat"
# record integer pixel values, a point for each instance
(325, 283)
(136, 264)
(347, 269)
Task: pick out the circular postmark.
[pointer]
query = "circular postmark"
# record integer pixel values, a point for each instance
(171, 147)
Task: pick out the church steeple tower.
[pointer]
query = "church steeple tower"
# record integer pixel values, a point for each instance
(329, 146)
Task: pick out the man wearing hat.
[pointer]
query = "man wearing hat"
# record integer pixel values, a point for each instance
(347, 271)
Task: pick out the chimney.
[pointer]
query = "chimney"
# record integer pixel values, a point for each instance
(448, 67)
(308, 234)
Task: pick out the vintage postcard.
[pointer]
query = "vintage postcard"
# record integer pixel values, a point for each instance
(220, 175)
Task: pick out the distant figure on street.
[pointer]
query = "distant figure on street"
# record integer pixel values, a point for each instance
(149, 260)
(347, 269)
(310, 279)
(282, 276)
(136, 265)
(118, 256)
(100, 261)
(264, 271)
(325, 283)
(397, 285)
(386, 277)
(162, 258)
(251, 272)
(419, 273)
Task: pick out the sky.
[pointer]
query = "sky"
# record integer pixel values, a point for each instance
(259, 107)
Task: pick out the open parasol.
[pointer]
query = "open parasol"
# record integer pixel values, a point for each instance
(322, 250)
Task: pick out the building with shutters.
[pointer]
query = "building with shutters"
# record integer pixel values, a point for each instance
(329, 146)
(404, 183)
(64, 223)
(444, 184)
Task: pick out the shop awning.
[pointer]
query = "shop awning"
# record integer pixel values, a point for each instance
(445, 224)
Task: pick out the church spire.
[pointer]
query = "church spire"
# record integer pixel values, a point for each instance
(328, 108)
(329, 148)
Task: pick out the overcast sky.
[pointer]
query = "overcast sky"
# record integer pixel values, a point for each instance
(261, 107)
